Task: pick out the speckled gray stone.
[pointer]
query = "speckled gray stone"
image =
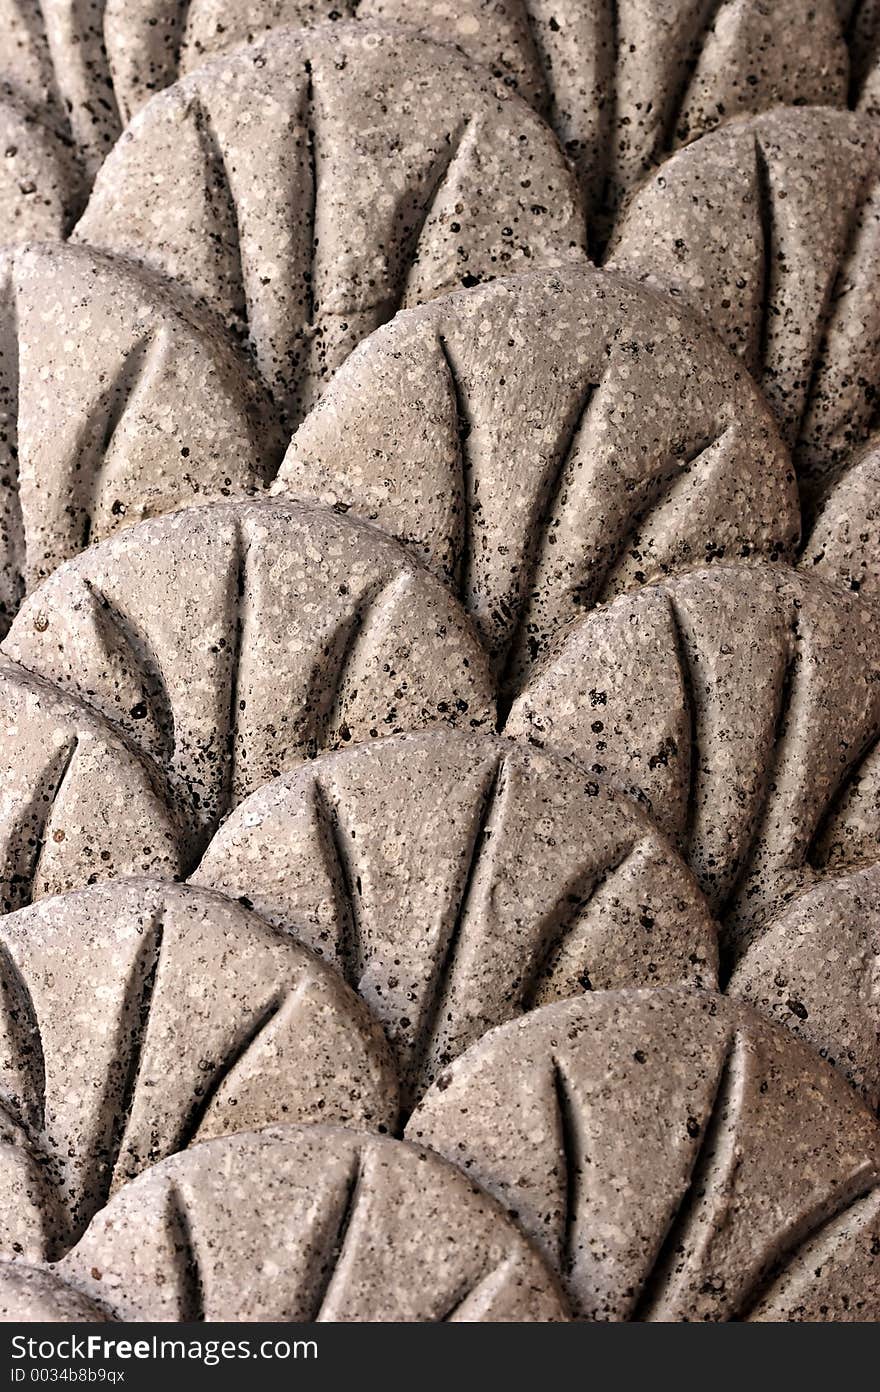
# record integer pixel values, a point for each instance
(547, 441)
(741, 701)
(78, 803)
(846, 1255)
(153, 43)
(54, 60)
(232, 641)
(668, 1151)
(34, 1295)
(771, 227)
(521, 880)
(39, 187)
(117, 402)
(316, 1223)
(621, 82)
(863, 21)
(816, 968)
(309, 185)
(850, 835)
(844, 541)
(139, 1017)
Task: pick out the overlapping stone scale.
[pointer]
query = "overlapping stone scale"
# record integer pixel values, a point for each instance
(546, 442)
(760, 1154)
(331, 1225)
(743, 703)
(141, 1017)
(232, 641)
(118, 402)
(308, 185)
(522, 880)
